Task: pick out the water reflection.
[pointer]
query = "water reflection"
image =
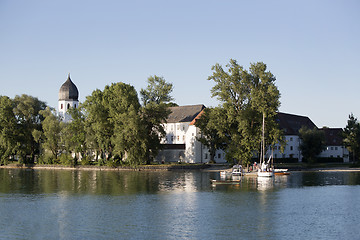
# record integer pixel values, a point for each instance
(64, 204)
(119, 183)
(100, 182)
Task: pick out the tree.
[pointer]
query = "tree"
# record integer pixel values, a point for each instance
(312, 143)
(50, 134)
(27, 113)
(156, 99)
(8, 128)
(211, 126)
(74, 135)
(246, 96)
(129, 138)
(352, 136)
(99, 129)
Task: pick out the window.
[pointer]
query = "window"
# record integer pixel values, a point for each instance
(291, 139)
(291, 148)
(206, 156)
(172, 138)
(178, 138)
(219, 155)
(68, 106)
(75, 106)
(336, 148)
(178, 127)
(184, 138)
(61, 106)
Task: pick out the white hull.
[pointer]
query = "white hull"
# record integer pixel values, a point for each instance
(265, 174)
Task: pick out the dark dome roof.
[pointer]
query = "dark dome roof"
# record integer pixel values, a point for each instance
(68, 91)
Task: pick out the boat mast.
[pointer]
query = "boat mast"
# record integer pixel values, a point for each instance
(263, 138)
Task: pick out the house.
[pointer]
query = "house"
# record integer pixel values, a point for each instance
(180, 143)
(291, 124)
(334, 144)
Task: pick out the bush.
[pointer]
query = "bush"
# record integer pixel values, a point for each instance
(86, 161)
(46, 158)
(66, 159)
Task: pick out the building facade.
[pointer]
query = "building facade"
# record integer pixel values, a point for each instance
(334, 144)
(291, 124)
(180, 143)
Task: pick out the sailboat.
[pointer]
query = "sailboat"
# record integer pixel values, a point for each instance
(265, 169)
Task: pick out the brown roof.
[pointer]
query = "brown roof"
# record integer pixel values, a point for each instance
(184, 113)
(292, 123)
(333, 136)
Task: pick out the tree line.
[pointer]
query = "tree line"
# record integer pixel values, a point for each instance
(112, 126)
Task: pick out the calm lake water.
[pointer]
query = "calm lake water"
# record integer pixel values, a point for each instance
(65, 204)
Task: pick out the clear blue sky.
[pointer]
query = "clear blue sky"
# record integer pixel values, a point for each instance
(312, 47)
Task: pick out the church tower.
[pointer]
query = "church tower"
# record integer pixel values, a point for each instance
(68, 98)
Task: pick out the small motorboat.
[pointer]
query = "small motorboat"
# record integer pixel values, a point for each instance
(217, 182)
(237, 170)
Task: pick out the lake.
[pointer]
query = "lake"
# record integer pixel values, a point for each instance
(72, 204)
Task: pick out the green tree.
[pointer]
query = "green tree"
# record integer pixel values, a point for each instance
(74, 135)
(129, 138)
(8, 129)
(50, 134)
(27, 113)
(155, 101)
(211, 126)
(351, 136)
(99, 129)
(312, 143)
(246, 96)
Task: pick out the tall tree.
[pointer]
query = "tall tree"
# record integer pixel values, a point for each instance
(312, 143)
(27, 113)
(74, 135)
(50, 135)
(211, 124)
(155, 101)
(97, 124)
(352, 136)
(246, 96)
(8, 129)
(128, 139)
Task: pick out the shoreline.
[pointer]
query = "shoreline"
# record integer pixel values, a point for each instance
(166, 167)
(106, 168)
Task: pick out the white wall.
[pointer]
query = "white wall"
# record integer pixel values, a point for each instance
(63, 107)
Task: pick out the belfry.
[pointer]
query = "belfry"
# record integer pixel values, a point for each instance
(68, 98)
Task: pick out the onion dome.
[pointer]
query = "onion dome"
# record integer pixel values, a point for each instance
(68, 91)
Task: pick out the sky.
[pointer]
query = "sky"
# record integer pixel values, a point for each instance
(312, 47)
